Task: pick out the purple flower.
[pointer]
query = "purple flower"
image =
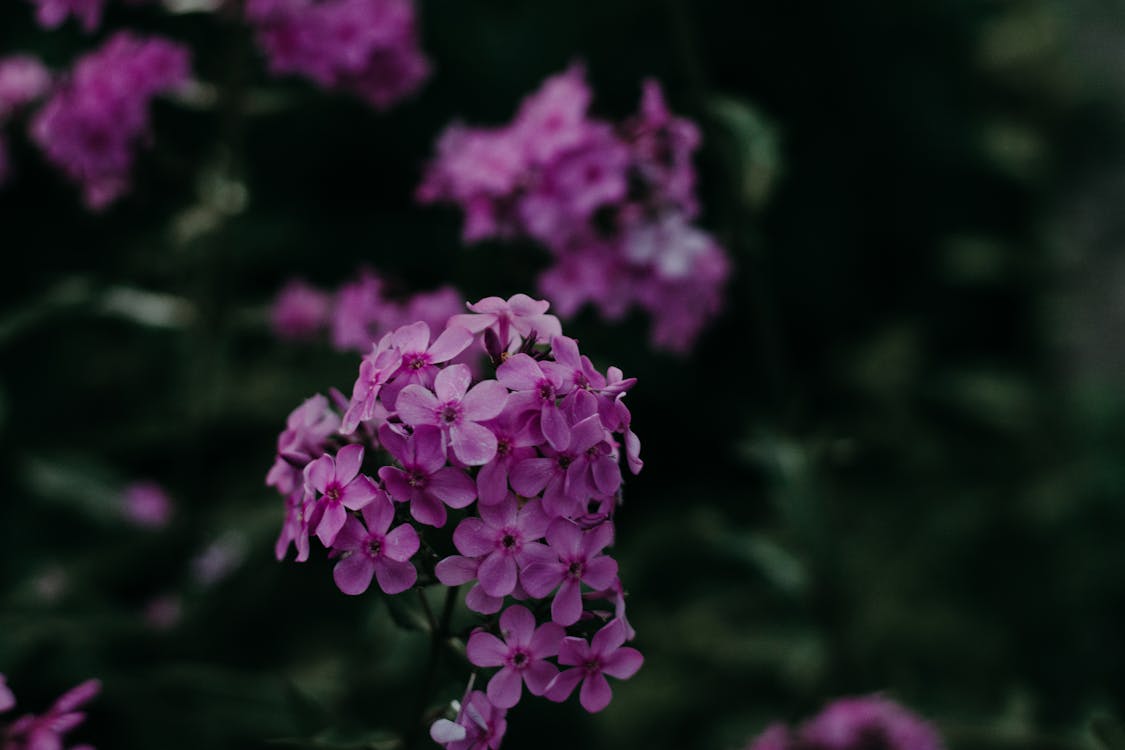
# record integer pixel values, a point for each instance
(147, 505)
(606, 654)
(776, 737)
(578, 560)
(306, 434)
(505, 537)
(95, 121)
(375, 371)
(537, 387)
(340, 487)
(553, 119)
(366, 47)
(295, 530)
(424, 480)
(456, 410)
(23, 79)
(522, 655)
(869, 721)
(479, 726)
(514, 440)
(7, 699)
(420, 358)
(53, 13)
(300, 311)
(376, 550)
(516, 317)
(46, 732)
(360, 313)
(457, 570)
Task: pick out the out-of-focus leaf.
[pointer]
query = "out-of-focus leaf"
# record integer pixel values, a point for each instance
(755, 144)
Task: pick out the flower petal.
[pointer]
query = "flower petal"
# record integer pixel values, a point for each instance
(595, 693)
(517, 625)
(348, 461)
(416, 405)
(505, 687)
(560, 688)
(453, 487)
(402, 543)
(623, 663)
(519, 373)
(456, 570)
(353, 574)
(473, 444)
(497, 574)
(395, 577)
(452, 382)
(539, 579)
(554, 426)
(485, 401)
(452, 341)
(538, 675)
(567, 605)
(486, 650)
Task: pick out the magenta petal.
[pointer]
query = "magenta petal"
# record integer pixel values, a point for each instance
(573, 651)
(584, 435)
(330, 524)
(401, 543)
(426, 509)
(497, 574)
(531, 475)
(505, 687)
(492, 482)
(472, 323)
(546, 641)
(560, 688)
(396, 482)
(486, 650)
(473, 538)
(538, 675)
(429, 453)
(565, 537)
(395, 577)
(554, 426)
(412, 338)
(348, 461)
(473, 444)
(353, 574)
(379, 514)
(595, 694)
(517, 625)
(456, 570)
(532, 521)
(539, 579)
(450, 343)
(478, 601)
(623, 663)
(351, 536)
(485, 401)
(598, 538)
(600, 572)
(519, 373)
(610, 638)
(319, 473)
(452, 382)
(607, 475)
(416, 405)
(502, 513)
(359, 493)
(567, 605)
(453, 486)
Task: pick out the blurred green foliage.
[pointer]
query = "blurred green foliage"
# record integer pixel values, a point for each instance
(895, 464)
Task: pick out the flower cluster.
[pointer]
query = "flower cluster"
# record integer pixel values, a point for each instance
(366, 47)
(23, 80)
(53, 13)
(359, 312)
(31, 732)
(99, 115)
(613, 204)
(524, 464)
(854, 724)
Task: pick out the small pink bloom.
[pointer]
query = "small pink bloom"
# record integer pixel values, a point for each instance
(457, 410)
(521, 654)
(577, 559)
(376, 550)
(340, 487)
(147, 505)
(424, 481)
(606, 654)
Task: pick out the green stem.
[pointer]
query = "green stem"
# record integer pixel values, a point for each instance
(439, 632)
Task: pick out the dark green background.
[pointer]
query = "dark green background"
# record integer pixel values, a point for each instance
(896, 462)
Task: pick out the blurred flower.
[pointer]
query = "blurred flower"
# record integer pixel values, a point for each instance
(860, 723)
(99, 116)
(219, 559)
(23, 79)
(7, 699)
(366, 47)
(147, 505)
(53, 13)
(300, 311)
(613, 204)
(479, 726)
(164, 612)
(30, 732)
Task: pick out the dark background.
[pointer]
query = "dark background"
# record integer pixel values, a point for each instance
(894, 464)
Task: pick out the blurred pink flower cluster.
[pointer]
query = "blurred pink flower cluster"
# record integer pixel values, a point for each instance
(46, 731)
(368, 48)
(861, 723)
(358, 312)
(614, 203)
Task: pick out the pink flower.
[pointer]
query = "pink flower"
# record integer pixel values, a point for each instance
(577, 560)
(606, 654)
(46, 732)
(514, 440)
(479, 726)
(306, 434)
(522, 655)
(505, 537)
(420, 358)
(376, 550)
(295, 530)
(23, 79)
(7, 699)
(424, 480)
(537, 387)
(457, 410)
(776, 737)
(855, 723)
(375, 371)
(517, 317)
(147, 505)
(340, 486)
(300, 311)
(53, 13)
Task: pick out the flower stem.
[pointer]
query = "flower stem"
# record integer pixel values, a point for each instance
(439, 632)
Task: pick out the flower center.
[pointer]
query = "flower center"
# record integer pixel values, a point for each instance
(508, 541)
(374, 547)
(416, 479)
(576, 569)
(503, 447)
(450, 413)
(565, 460)
(545, 391)
(519, 660)
(332, 493)
(416, 360)
(592, 666)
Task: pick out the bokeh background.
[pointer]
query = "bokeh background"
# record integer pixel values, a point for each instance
(894, 464)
